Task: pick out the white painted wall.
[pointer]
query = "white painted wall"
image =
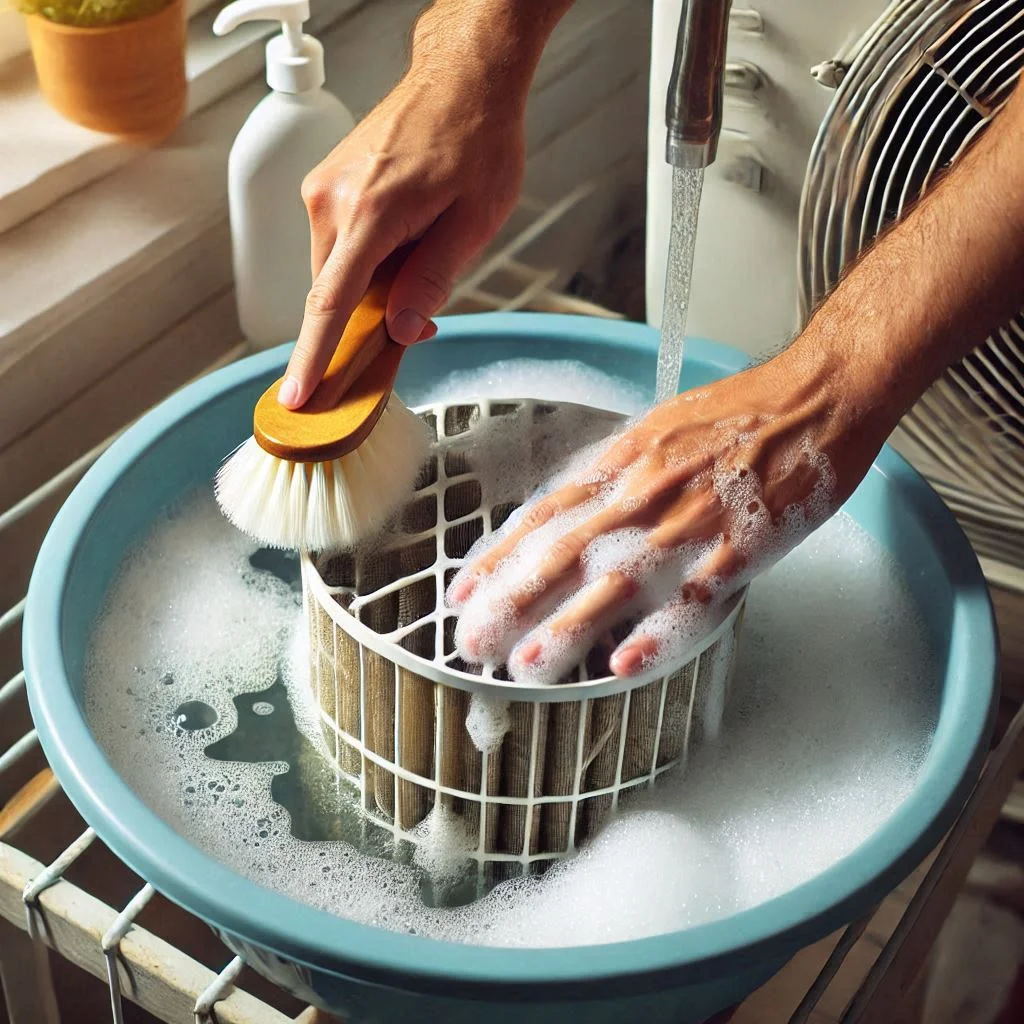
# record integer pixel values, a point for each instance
(116, 262)
(745, 266)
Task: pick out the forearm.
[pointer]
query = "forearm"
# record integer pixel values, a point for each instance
(934, 286)
(498, 43)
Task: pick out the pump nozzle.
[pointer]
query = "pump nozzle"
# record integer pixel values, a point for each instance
(295, 62)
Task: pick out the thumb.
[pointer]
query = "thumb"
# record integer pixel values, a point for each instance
(425, 281)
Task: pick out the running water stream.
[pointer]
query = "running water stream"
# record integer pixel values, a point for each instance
(686, 189)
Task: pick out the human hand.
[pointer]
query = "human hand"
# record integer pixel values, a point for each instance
(671, 520)
(439, 160)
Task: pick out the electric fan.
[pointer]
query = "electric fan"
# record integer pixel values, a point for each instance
(925, 82)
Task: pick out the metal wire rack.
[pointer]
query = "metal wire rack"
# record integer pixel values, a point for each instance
(153, 956)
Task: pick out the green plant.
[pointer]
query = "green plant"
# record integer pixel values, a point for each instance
(91, 13)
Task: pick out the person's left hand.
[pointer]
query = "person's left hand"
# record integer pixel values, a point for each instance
(675, 515)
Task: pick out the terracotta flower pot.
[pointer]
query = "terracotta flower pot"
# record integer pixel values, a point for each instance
(127, 79)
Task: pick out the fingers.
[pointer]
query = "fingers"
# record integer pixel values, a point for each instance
(536, 516)
(321, 245)
(420, 290)
(562, 566)
(722, 566)
(628, 659)
(570, 633)
(666, 634)
(493, 629)
(425, 281)
(336, 292)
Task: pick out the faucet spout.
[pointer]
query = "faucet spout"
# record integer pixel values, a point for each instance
(693, 112)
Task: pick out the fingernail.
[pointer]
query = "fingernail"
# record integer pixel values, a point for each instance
(627, 662)
(428, 332)
(461, 590)
(407, 326)
(288, 394)
(530, 652)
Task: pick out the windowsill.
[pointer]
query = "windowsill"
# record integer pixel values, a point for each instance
(44, 157)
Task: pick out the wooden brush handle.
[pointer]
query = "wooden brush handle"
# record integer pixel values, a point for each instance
(353, 392)
(365, 338)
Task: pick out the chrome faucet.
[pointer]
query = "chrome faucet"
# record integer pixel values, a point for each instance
(693, 113)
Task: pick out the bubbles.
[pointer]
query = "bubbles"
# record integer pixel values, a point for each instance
(487, 722)
(194, 715)
(443, 846)
(832, 709)
(549, 380)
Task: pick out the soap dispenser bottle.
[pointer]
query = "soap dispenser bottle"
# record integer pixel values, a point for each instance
(287, 134)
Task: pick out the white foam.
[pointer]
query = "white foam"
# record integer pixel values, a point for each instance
(513, 455)
(681, 593)
(549, 380)
(487, 722)
(443, 845)
(831, 715)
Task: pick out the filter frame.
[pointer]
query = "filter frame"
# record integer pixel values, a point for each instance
(396, 720)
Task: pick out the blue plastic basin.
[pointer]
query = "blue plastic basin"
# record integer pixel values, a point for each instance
(371, 975)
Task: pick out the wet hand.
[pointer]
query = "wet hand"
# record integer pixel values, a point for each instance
(667, 523)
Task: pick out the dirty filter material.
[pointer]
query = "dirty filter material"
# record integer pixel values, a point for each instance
(521, 774)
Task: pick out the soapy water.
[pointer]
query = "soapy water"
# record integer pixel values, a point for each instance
(548, 380)
(197, 690)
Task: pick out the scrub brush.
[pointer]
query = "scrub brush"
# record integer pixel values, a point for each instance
(328, 475)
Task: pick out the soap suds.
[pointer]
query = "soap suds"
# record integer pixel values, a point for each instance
(548, 380)
(680, 594)
(443, 846)
(487, 722)
(832, 710)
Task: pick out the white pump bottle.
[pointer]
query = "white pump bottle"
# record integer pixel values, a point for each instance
(287, 134)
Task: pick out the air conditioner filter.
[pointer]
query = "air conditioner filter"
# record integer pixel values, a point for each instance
(395, 696)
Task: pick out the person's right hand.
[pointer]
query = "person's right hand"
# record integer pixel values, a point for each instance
(440, 160)
(674, 516)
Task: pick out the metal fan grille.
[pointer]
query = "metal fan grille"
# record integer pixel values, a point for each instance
(928, 79)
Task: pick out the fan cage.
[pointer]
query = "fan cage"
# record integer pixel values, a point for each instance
(924, 86)
(394, 696)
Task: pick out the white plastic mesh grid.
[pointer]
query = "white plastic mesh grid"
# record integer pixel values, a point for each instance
(395, 695)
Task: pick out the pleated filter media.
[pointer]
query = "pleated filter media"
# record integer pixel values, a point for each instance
(537, 769)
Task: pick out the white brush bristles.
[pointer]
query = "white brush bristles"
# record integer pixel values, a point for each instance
(325, 506)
